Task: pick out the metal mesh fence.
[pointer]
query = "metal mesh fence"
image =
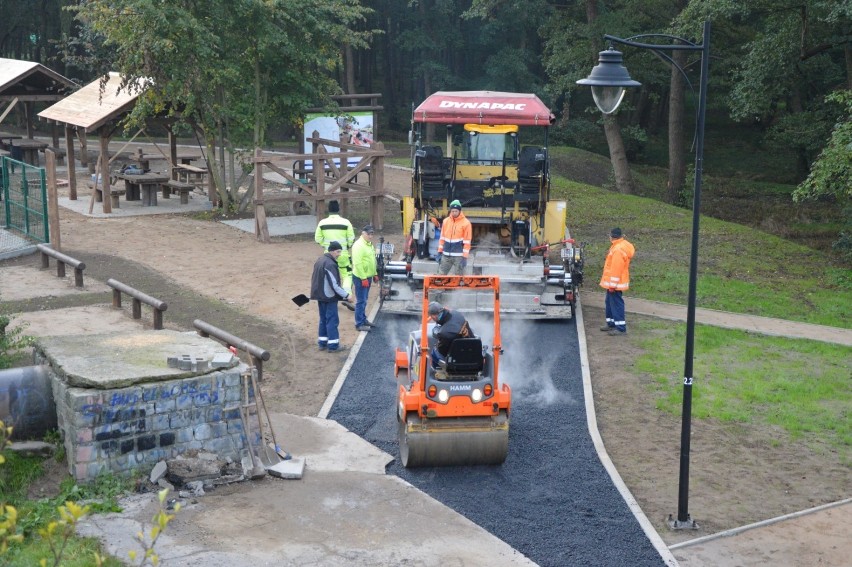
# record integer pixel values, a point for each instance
(24, 200)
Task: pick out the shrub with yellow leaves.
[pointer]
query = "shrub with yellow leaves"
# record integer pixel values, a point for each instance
(8, 514)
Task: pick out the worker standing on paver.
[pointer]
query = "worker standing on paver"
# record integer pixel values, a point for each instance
(454, 245)
(615, 280)
(364, 273)
(335, 228)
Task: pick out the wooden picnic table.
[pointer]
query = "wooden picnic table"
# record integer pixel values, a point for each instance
(190, 173)
(144, 186)
(6, 140)
(144, 159)
(29, 150)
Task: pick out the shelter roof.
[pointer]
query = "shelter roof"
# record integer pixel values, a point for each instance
(484, 107)
(91, 108)
(29, 81)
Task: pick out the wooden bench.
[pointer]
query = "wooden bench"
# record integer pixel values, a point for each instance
(58, 152)
(114, 193)
(190, 173)
(176, 186)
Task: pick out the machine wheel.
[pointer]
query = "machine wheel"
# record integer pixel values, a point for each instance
(453, 441)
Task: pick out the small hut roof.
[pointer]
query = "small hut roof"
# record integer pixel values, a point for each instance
(29, 81)
(89, 108)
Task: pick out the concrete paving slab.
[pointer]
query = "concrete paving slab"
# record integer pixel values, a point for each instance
(90, 319)
(344, 511)
(326, 445)
(280, 226)
(118, 360)
(327, 519)
(28, 282)
(291, 469)
(197, 203)
(13, 246)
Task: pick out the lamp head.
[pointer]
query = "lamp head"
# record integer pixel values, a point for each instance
(608, 80)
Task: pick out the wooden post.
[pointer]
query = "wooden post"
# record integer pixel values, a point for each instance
(54, 134)
(318, 165)
(137, 308)
(28, 112)
(105, 185)
(377, 187)
(261, 229)
(52, 200)
(116, 299)
(72, 169)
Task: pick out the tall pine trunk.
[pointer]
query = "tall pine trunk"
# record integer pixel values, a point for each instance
(677, 115)
(617, 153)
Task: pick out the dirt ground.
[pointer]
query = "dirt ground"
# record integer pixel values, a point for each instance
(739, 474)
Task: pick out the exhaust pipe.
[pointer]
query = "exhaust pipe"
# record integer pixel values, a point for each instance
(26, 401)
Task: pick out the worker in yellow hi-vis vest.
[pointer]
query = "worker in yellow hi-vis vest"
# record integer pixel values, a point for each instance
(335, 228)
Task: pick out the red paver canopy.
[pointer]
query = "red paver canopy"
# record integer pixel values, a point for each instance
(484, 107)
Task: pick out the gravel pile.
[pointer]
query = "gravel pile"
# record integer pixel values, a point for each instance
(551, 500)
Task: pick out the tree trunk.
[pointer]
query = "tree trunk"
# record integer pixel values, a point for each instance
(618, 156)
(677, 151)
(349, 68)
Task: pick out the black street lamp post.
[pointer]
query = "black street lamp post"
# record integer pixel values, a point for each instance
(608, 80)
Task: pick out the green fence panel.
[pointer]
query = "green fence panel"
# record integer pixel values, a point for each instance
(25, 199)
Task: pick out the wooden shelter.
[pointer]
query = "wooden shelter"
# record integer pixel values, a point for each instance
(28, 83)
(93, 109)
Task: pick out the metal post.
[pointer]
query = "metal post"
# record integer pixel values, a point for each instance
(683, 520)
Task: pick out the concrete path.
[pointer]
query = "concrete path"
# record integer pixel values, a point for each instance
(750, 323)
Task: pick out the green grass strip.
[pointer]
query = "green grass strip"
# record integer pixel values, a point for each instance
(803, 387)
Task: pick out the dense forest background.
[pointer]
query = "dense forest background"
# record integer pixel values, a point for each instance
(245, 70)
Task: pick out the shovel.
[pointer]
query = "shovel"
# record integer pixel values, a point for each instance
(301, 299)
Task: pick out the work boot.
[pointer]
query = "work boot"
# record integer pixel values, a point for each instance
(341, 348)
(368, 324)
(607, 328)
(363, 328)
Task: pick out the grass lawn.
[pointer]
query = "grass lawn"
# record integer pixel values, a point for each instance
(800, 387)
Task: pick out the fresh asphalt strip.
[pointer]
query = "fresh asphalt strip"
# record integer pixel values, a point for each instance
(552, 499)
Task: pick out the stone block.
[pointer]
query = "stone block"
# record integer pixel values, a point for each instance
(203, 431)
(223, 360)
(292, 468)
(184, 435)
(164, 406)
(221, 446)
(160, 422)
(32, 448)
(184, 470)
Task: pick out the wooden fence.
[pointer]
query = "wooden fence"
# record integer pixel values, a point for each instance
(323, 176)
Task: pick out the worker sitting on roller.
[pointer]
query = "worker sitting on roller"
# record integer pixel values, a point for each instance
(449, 326)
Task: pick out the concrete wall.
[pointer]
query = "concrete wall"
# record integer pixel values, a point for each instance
(127, 429)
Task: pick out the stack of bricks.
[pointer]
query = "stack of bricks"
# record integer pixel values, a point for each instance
(126, 429)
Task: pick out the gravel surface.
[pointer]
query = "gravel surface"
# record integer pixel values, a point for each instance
(551, 500)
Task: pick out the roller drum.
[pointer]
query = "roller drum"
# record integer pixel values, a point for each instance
(453, 441)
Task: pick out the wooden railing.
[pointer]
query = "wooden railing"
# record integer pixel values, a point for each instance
(258, 355)
(337, 181)
(138, 299)
(46, 253)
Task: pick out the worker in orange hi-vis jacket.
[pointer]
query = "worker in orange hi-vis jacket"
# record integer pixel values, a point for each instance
(454, 244)
(615, 280)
